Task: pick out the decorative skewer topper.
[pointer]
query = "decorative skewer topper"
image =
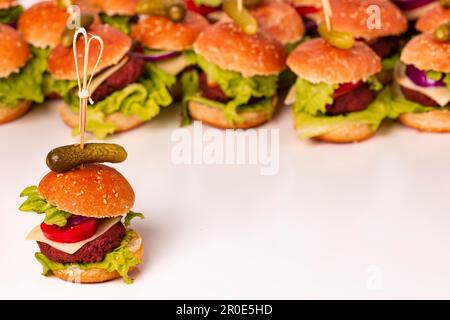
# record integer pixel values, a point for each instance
(341, 40)
(82, 77)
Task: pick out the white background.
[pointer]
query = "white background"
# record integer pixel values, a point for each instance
(355, 221)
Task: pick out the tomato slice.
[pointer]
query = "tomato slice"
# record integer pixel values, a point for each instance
(77, 229)
(346, 88)
(304, 10)
(203, 10)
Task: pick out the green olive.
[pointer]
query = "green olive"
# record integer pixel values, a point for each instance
(69, 157)
(176, 12)
(341, 40)
(445, 3)
(86, 20)
(242, 18)
(442, 33)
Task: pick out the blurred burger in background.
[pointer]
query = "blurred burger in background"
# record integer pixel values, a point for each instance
(423, 83)
(434, 18)
(121, 14)
(21, 74)
(235, 85)
(126, 92)
(10, 11)
(414, 9)
(167, 45)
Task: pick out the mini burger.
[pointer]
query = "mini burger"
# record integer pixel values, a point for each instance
(423, 80)
(236, 82)
(126, 91)
(335, 98)
(352, 16)
(85, 236)
(9, 11)
(167, 45)
(21, 74)
(434, 18)
(120, 14)
(414, 9)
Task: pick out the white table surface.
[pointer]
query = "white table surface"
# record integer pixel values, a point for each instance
(366, 221)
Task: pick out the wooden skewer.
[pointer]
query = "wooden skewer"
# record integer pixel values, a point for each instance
(328, 13)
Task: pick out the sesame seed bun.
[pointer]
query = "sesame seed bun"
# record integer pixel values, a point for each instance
(14, 51)
(115, 7)
(61, 63)
(216, 118)
(317, 61)
(347, 134)
(95, 275)
(160, 33)
(280, 21)
(43, 24)
(123, 122)
(433, 19)
(351, 16)
(8, 114)
(228, 47)
(94, 190)
(437, 121)
(426, 53)
(6, 4)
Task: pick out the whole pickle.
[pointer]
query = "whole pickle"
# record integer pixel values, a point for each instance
(175, 10)
(69, 157)
(242, 18)
(86, 20)
(442, 33)
(341, 40)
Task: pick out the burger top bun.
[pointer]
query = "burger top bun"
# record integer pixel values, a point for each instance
(352, 16)
(5, 4)
(433, 19)
(43, 24)
(280, 21)
(228, 47)
(115, 7)
(14, 51)
(160, 33)
(61, 62)
(94, 190)
(317, 61)
(426, 53)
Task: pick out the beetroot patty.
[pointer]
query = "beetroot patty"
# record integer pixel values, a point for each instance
(126, 75)
(93, 251)
(356, 100)
(215, 94)
(418, 97)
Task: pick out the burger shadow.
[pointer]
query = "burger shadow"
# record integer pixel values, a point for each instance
(387, 127)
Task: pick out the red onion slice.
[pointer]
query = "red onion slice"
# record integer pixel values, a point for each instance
(420, 78)
(412, 4)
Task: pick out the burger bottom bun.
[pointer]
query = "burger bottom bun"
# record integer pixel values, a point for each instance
(433, 121)
(95, 275)
(123, 123)
(9, 114)
(348, 134)
(215, 118)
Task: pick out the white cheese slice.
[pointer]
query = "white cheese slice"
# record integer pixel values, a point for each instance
(173, 66)
(37, 235)
(291, 96)
(439, 94)
(98, 80)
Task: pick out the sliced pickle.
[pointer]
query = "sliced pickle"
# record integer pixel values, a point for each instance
(242, 18)
(341, 40)
(72, 156)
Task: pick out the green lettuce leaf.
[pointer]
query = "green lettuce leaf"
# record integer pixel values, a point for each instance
(142, 99)
(209, 3)
(388, 64)
(238, 88)
(130, 216)
(400, 106)
(60, 87)
(309, 126)
(10, 15)
(313, 98)
(374, 83)
(447, 80)
(36, 203)
(121, 23)
(120, 260)
(190, 87)
(27, 84)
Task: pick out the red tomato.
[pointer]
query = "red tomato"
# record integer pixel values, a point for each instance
(346, 88)
(203, 10)
(303, 10)
(76, 229)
